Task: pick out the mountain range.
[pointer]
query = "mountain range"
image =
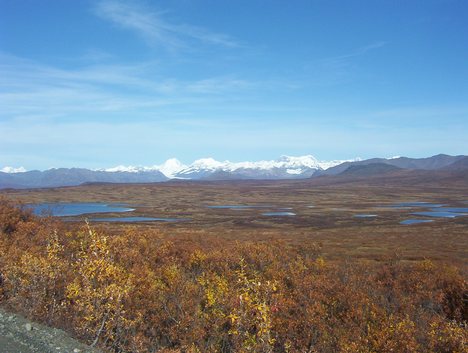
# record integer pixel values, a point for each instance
(286, 167)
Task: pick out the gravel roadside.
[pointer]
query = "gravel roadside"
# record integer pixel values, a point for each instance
(19, 335)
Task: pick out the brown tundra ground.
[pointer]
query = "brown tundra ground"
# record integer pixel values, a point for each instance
(315, 279)
(324, 213)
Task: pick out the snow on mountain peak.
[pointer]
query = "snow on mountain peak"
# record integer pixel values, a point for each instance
(208, 163)
(123, 168)
(294, 165)
(308, 161)
(12, 170)
(171, 167)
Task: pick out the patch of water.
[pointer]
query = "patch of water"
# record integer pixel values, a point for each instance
(452, 209)
(416, 204)
(138, 219)
(440, 214)
(273, 214)
(238, 207)
(365, 215)
(60, 209)
(416, 221)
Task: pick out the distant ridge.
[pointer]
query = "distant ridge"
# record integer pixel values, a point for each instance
(305, 167)
(74, 176)
(459, 165)
(370, 173)
(430, 163)
(369, 169)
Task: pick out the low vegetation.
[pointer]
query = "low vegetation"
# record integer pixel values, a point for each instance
(136, 291)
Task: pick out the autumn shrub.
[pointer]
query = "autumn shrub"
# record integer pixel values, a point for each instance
(11, 216)
(135, 291)
(97, 291)
(37, 281)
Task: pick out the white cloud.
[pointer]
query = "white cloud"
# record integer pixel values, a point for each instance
(30, 89)
(155, 28)
(344, 58)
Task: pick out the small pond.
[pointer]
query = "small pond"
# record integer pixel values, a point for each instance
(452, 209)
(441, 214)
(415, 204)
(273, 214)
(238, 207)
(365, 215)
(416, 221)
(62, 209)
(138, 219)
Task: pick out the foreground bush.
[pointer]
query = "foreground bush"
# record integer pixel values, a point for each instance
(134, 292)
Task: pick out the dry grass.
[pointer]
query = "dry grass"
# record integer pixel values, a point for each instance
(331, 221)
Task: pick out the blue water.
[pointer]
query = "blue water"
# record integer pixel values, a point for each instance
(452, 209)
(416, 221)
(75, 209)
(238, 207)
(365, 215)
(416, 204)
(138, 219)
(441, 214)
(279, 214)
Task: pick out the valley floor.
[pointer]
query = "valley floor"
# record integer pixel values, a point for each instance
(233, 278)
(324, 213)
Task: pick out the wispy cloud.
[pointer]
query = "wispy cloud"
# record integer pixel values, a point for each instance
(156, 29)
(355, 53)
(339, 69)
(342, 66)
(30, 90)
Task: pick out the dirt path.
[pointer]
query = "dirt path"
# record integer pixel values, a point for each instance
(19, 335)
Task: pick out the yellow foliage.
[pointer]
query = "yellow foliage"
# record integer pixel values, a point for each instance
(320, 262)
(251, 319)
(98, 290)
(448, 337)
(37, 279)
(136, 293)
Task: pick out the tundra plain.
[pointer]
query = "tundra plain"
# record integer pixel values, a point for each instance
(323, 213)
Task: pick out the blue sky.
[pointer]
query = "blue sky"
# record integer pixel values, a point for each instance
(100, 83)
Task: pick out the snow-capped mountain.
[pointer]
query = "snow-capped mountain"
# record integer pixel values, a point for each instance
(10, 170)
(286, 167)
(169, 168)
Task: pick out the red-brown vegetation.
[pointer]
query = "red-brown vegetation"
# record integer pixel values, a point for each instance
(136, 291)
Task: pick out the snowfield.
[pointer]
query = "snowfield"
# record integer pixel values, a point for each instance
(173, 168)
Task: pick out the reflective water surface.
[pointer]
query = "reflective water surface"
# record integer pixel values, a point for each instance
(416, 221)
(278, 214)
(62, 209)
(138, 219)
